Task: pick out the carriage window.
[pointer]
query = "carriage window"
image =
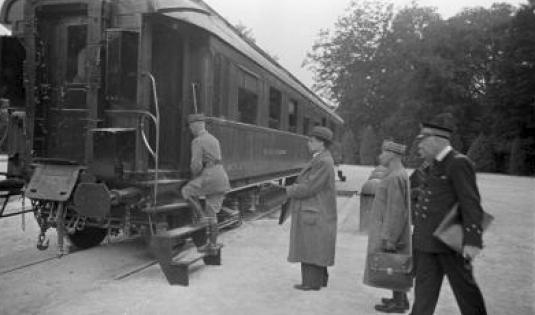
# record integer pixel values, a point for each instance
(275, 100)
(332, 126)
(292, 116)
(216, 107)
(76, 54)
(121, 68)
(306, 125)
(247, 106)
(324, 122)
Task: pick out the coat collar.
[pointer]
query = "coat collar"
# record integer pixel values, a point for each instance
(315, 158)
(447, 158)
(442, 154)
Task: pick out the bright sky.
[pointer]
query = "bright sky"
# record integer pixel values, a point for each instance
(288, 28)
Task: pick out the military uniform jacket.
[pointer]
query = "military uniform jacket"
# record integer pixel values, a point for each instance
(209, 175)
(313, 210)
(445, 183)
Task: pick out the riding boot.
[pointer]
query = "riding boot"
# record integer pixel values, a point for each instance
(211, 244)
(197, 208)
(214, 231)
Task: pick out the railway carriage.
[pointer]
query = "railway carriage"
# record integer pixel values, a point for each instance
(96, 95)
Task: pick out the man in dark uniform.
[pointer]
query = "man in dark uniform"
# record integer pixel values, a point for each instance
(209, 177)
(449, 179)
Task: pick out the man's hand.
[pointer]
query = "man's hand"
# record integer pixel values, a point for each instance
(388, 246)
(470, 252)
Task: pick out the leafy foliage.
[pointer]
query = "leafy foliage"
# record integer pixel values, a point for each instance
(369, 146)
(391, 70)
(481, 153)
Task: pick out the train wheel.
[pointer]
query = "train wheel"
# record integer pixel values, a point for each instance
(88, 237)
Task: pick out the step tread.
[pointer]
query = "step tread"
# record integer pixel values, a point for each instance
(182, 231)
(167, 207)
(188, 259)
(191, 256)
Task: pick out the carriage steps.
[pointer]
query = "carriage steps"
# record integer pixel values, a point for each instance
(176, 269)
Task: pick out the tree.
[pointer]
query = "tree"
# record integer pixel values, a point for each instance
(512, 113)
(482, 154)
(245, 32)
(391, 70)
(349, 148)
(369, 147)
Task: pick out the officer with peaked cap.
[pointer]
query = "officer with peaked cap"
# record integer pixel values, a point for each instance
(448, 180)
(209, 177)
(312, 202)
(389, 229)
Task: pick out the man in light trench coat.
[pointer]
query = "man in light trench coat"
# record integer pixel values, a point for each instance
(313, 211)
(390, 222)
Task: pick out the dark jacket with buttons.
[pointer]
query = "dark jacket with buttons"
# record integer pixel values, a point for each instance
(440, 186)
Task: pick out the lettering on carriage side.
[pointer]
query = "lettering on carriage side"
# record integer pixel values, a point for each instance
(234, 167)
(275, 152)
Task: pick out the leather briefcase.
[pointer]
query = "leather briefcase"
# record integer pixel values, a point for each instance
(450, 230)
(390, 270)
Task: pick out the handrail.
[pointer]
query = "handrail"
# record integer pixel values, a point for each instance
(156, 152)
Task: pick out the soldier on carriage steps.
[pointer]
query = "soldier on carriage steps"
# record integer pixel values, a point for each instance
(209, 177)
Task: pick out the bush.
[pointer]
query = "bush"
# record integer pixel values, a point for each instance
(517, 157)
(369, 147)
(349, 148)
(482, 153)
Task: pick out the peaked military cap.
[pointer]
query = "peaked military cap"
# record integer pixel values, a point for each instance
(322, 133)
(440, 126)
(196, 117)
(394, 147)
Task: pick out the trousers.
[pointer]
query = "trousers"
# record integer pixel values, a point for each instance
(430, 271)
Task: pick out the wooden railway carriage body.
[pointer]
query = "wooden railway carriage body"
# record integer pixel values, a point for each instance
(99, 95)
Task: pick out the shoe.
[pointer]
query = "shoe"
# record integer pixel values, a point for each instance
(390, 308)
(391, 300)
(305, 288)
(387, 300)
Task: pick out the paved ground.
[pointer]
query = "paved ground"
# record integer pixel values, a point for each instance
(255, 277)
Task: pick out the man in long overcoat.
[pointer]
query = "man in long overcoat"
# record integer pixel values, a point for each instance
(389, 229)
(313, 211)
(449, 179)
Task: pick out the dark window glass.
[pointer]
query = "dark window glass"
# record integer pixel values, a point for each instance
(121, 69)
(292, 116)
(306, 125)
(76, 54)
(332, 126)
(247, 106)
(324, 122)
(275, 100)
(216, 111)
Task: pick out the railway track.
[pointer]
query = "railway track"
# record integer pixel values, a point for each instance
(223, 227)
(26, 265)
(268, 209)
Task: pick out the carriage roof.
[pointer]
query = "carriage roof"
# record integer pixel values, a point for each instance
(197, 13)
